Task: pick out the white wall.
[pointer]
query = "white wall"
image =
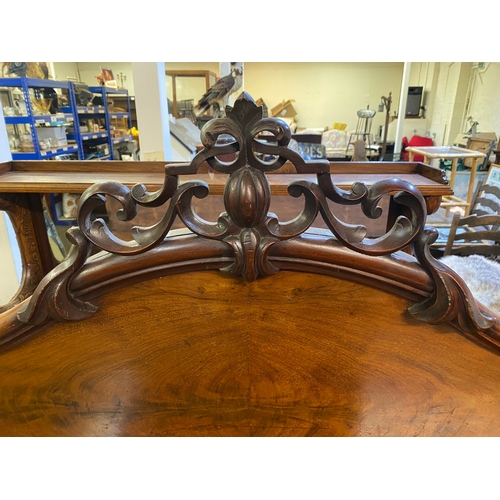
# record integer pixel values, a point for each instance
(9, 272)
(425, 74)
(327, 92)
(484, 91)
(450, 96)
(63, 70)
(89, 70)
(152, 112)
(454, 91)
(205, 66)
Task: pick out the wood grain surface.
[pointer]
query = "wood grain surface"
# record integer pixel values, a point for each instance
(204, 354)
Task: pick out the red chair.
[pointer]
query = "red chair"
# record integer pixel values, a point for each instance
(415, 141)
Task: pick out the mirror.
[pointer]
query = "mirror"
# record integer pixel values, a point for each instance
(185, 89)
(10, 260)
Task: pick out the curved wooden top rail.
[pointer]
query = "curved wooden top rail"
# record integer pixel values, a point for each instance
(77, 176)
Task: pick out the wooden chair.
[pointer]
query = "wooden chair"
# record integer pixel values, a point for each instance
(474, 234)
(248, 325)
(485, 200)
(363, 129)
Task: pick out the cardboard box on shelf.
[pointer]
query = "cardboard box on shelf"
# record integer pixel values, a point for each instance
(482, 145)
(463, 140)
(56, 135)
(26, 147)
(284, 109)
(119, 123)
(265, 111)
(70, 205)
(487, 136)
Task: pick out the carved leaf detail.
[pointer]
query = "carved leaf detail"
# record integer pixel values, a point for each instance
(53, 297)
(451, 298)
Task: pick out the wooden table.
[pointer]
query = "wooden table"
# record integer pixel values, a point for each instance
(453, 153)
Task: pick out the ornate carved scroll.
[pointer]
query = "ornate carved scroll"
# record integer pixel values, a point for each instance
(53, 297)
(247, 227)
(451, 298)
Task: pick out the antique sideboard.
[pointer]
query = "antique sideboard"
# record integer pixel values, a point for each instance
(305, 322)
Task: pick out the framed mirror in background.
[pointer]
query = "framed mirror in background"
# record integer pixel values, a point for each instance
(185, 88)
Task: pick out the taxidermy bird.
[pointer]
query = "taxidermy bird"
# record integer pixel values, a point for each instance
(30, 69)
(217, 95)
(45, 70)
(17, 68)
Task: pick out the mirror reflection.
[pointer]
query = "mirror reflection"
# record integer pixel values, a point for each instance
(10, 260)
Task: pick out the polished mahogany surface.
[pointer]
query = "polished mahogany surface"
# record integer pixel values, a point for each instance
(295, 354)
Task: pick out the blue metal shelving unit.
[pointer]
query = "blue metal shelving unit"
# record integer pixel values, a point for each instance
(92, 138)
(78, 141)
(33, 120)
(106, 92)
(83, 139)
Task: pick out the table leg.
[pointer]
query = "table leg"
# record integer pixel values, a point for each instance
(472, 183)
(454, 165)
(410, 155)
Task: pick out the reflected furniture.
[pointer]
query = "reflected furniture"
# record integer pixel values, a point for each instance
(486, 198)
(363, 129)
(247, 323)
(474, 235)
(416, 141)
(186, 86)
(485, 202)
(454, 153)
